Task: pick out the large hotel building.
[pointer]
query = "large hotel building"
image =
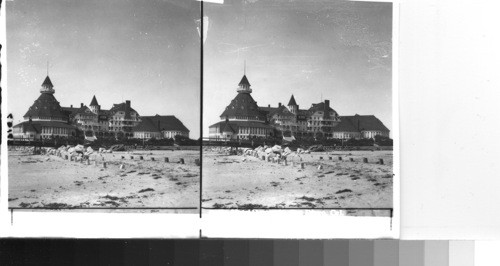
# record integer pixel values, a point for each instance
(244, 119)
(46, 118)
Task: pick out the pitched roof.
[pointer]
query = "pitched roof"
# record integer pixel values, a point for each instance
(292, 101)
(267, 110)
(83, 110)
(46, 106)
(36, 126)
(165, 123)
(93, 102)
(244, 81)
(282, 110)
(345, 125)
(236, 124)
(366, 122)
(70, 110)
(243, 105)
(146, 125)
(47, 82)
(319, 107)
(120, 107)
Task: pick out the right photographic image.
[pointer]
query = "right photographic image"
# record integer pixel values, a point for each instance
(298, 106)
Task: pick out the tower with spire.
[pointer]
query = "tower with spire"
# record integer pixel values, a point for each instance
(47, 86)
(244, 85)
(293, 106)
(94, 106)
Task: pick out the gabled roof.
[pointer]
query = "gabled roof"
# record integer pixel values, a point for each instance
(83, 110)
(160, 123)
(146, 125)
(366, 122)
(267, 110)
(120, 107)
(244, 81)
(345, 125)
(282, 110)
(292, 101)
(47, 82)
(319, 107)
(46, 106)
(70, 110)
(93, 102)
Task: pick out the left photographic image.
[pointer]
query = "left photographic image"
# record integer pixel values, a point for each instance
(104, 97)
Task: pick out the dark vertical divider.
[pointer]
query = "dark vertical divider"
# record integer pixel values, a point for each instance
(201, 106)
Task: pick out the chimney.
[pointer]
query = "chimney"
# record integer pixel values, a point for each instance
(71, 106)
(279, 104)
(127, 109)
(269, 105)
(327, 104)
(81, 104)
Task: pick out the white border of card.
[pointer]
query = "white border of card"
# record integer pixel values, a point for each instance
(214, 223)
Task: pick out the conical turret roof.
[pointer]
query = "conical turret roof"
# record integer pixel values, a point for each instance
(244, 81)
(243, 105)
(94, 102)
(46, 106)
(292, 101)
(47, 82)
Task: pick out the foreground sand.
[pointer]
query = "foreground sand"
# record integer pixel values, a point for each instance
(247, 182)
(49, 181)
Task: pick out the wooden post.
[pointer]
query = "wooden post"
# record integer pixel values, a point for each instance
(141, 158)
(182, 161)
(381, 161)
(340, 158)
(365, 160)
(302, 166)
(166, 159)
(351, 159)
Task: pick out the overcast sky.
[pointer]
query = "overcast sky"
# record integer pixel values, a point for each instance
(144, 51)
(316, 50)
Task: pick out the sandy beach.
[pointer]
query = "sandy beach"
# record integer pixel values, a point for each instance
(50, 181)
(246, 182)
